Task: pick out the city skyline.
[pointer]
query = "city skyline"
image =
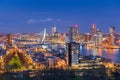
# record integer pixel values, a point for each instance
(34, 16)
(60, 39)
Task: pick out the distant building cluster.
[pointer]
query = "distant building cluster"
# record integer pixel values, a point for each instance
(56, 50)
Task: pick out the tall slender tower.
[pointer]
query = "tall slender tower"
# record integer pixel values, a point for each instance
(70, 34)
(93, 29)
(112, 30)
(73, 49)
(75, 29)
(112, 35)
(75, 32)
(99, 37)
(53, 29)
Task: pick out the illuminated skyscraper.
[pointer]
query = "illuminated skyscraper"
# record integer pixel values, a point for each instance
(54, 37)
(93, 29)
(70, 34)
(93, 32)
(99, 37)
(112, 35)
(112, 30)
(75, 29)
(73, 50)
(53, 29)
(54, 33)
(75, 32)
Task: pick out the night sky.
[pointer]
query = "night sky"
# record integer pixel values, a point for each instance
(35, 15)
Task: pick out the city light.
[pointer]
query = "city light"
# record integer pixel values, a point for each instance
(59, 40)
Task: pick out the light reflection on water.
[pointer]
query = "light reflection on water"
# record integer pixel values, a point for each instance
(113, 54)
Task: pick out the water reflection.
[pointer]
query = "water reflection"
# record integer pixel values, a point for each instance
(113, 54)
(100, 51)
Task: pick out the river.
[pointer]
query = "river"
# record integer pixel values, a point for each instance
(112, 54)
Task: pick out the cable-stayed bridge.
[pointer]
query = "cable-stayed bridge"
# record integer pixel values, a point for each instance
(41, 40)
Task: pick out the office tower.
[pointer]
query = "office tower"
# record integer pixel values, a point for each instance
(53, 29)
(99, 37)
(75, 33)
(9, 40)
(112, 35)
(112, 30)
(54, 33)
(54, 37)
(93, 29)
(73, 50)
(93, 32)
(75, 29)
(70, 34)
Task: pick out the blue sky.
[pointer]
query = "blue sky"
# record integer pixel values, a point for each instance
(35, 15)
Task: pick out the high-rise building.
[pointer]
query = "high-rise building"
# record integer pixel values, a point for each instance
(70, 34)
(54, 29)
(73, 51)
(112, 30)
(112, 35)
(54, 34)
(73, 48)
(73, 33)
(99, 37)
(76, 33)
(9, 40)
(93, 32)
(75, 29)
(93, 29)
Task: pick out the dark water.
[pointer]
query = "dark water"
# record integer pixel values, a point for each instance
(113, 54)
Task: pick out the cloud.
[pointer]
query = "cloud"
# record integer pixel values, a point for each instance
(35, 21)
(31, 21)
(49, 19)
